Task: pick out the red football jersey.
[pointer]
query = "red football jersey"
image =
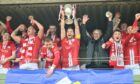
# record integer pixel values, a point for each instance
(53, 54)
(30, 49)
(70, 52)
(6, 51)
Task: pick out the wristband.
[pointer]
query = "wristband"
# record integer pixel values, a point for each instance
(52, 67)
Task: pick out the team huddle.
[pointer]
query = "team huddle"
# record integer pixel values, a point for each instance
(25, 47)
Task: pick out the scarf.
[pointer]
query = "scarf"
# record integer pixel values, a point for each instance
(117, 53)
(27, 49)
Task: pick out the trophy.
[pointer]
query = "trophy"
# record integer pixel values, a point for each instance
(70, 11)
(108, 14)
(137, 16)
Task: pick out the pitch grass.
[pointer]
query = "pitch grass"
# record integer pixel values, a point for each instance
(3, 76)
(137, 79)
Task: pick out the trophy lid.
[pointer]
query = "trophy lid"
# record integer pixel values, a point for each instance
(67, 6)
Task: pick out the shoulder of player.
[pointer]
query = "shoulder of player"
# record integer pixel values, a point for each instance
(43, 47)
(55, 48)
(11, 43)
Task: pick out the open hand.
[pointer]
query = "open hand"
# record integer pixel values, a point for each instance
(31, 18)
(137, 16)
(49, 72)
(85, 19)
(103, 45)
(8, 18)
(109, 15)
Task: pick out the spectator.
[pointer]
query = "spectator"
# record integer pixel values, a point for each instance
(116, 20)
(51, 32)
(123, 29)
(98, 57)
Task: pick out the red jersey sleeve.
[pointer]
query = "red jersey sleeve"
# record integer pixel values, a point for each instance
(36, 48)
(135, 24)
(137, 35)
(9, 29)
(42, 52)
(108, 44)
(56, 56)
(127, 38)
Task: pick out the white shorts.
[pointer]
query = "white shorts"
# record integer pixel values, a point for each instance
(72, 68)
(135, 68)
(29, 66)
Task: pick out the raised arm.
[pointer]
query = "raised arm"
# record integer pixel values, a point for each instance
(135, 23)
(39, 26)
(109, 29)
(127, 38)
(84, 35)
(14, 34)
(62, 26)
(8, 19)
(107, 44)
(48, 32)
(77, 30)
(3, 24)
(55, 61)
(116, 20)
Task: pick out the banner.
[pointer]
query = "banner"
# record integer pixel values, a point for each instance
(16, 76)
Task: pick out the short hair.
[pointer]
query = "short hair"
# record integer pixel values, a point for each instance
(70, 27)
(98, 30)
(47, 39)
(117, 30)
(24, 26)
(35, 28)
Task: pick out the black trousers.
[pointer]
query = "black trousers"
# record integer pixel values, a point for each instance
(98, 66)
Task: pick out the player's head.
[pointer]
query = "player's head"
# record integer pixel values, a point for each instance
(31, 31)
(116, 35)
(123, 27)
(5, 35)
(52, 29)
(70, 33)
(48, 42)
(96, 34)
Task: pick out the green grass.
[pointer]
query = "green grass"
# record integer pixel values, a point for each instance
(2, 78)
(137, 79)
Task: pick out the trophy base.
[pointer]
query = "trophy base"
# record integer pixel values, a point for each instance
(68, 21)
